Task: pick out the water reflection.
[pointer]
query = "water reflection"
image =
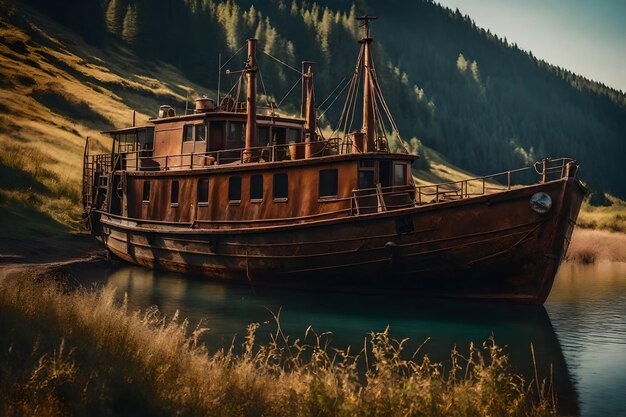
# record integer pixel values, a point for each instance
(228, 309)
(588, 309)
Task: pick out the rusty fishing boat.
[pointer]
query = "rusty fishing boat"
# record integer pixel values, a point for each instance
(242, 194)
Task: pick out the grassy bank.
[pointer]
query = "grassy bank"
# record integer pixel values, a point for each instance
(611, 217)
(79, 353)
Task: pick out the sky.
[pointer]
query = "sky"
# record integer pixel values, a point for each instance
(587, 37)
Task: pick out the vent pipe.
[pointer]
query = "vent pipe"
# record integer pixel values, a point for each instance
(251, 130)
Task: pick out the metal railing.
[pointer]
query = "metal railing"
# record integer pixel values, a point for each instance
(143, 160)
(546, 170)
(96, 169)
(378, 199)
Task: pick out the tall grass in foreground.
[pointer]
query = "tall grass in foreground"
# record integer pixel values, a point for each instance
(80, 353)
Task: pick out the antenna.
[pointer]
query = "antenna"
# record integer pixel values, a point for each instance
(366, 19)
(219, 77)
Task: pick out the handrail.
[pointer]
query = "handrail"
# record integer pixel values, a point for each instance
(454, 190)
(133, 159)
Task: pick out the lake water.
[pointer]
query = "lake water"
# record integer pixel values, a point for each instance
(580, 333)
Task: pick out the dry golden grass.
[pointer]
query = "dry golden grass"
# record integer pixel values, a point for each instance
(589, 246)
(67, 352)
(612, 218)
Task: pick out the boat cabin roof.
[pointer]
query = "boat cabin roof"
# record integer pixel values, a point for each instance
(217, 115)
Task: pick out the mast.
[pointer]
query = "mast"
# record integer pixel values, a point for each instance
(251, 130)
(310, 135)
(369, 127)
(303, 87)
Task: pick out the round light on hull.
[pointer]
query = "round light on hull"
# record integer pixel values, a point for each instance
(541, 202)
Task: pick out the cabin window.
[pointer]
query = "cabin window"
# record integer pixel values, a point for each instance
(293, 135)
(236, 135)
(216, 136)
(328, 183)
(200, 133)
(367, 163)
(234, 189)
(146, 192)
(279, 136)
(366, 179)
(263, 135)
(256, 187)
(203, 191)
(188, 133)
(145, 137)
(399, 174)
(174, 193)
(281, 186)
(384, 173)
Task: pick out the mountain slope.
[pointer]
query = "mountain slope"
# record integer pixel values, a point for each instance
(482, 102)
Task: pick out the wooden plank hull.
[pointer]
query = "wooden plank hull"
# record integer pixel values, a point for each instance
(488, 247)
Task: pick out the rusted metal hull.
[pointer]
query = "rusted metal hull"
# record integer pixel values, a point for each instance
(488, 247)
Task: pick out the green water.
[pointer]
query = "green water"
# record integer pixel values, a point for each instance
(580, 333)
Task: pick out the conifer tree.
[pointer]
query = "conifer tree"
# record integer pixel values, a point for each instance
(113, 18)
(129, 30)
(461, 63)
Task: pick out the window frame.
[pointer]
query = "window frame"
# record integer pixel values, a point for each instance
(190, 126)
(406, 176)
(230, 182)
(320, 183)
(280, 199)
(239, 142)
(143, 191)
(254, 199)
(195, 131)
(174, 185)
(369, 171)
(202, 203)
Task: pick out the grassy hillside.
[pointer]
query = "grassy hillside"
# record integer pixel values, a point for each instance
(58, 90)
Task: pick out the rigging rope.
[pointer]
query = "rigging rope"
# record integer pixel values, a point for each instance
(352, 92)
(331, 93)
(288, 92)
(284, 63)
(267, 98)
(336, 97)
(379, 91)
(233, 55)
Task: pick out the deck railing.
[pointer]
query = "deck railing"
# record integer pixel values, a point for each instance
(377, 199)
(143, 160)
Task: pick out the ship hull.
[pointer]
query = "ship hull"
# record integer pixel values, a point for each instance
(487, 247)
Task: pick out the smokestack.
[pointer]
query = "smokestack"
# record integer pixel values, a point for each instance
(251, 135)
